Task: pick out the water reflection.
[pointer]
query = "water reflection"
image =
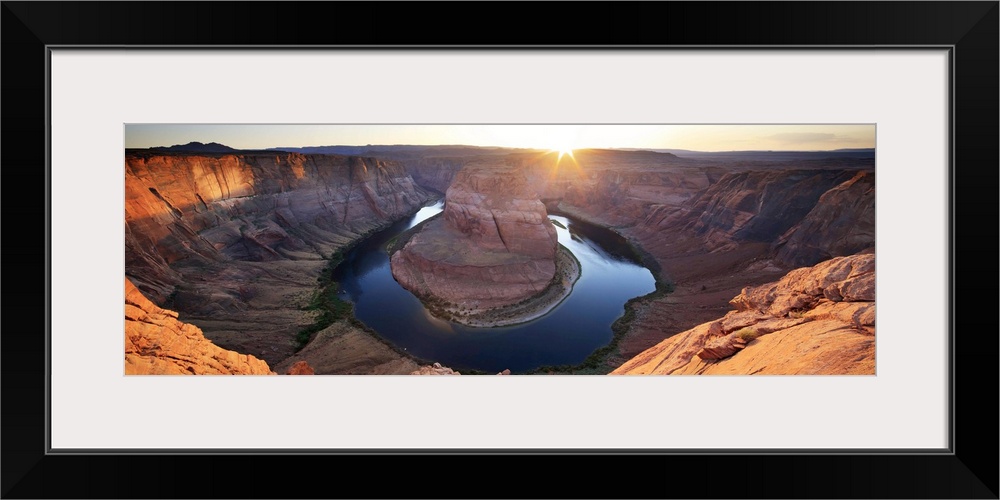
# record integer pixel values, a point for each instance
(425, 213)
(568, 334)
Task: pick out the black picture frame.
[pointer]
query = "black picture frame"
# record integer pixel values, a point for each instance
(970, 29)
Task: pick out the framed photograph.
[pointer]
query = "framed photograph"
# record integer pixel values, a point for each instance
(900, 99)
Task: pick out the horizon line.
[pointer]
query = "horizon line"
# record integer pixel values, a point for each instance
(654, 150)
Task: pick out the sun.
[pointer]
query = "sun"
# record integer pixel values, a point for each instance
(563, 151)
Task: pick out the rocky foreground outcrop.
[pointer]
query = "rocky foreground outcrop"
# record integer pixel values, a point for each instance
(493, 246)
(156, 343)
(301, 368)
(344, 349)
(817, 320)
(435, 369)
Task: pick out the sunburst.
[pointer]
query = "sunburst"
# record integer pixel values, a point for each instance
(564, 151)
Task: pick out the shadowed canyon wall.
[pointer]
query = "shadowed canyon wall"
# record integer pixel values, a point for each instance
(235, 242)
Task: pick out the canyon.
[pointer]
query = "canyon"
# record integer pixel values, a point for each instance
(713, 228)
(235, 242)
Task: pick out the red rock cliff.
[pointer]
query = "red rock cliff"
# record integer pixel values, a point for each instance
(841, 223)
(252, 207)
(235, 242)
(493, 246)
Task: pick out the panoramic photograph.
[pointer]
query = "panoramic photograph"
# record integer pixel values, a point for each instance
(427, 249)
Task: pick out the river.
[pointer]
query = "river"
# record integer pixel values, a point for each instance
(610, 276)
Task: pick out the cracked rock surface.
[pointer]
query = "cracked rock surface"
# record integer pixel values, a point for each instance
(156, 343)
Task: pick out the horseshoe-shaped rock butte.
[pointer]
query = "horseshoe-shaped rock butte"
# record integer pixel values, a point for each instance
(492, 258)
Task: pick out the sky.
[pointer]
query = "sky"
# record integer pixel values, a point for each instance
(693, 137)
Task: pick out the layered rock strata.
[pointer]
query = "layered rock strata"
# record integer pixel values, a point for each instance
(252, 208)
(818, 320)
(235, 241)
(712, 229)
(156, 343)
(494, 245)
(841, 223)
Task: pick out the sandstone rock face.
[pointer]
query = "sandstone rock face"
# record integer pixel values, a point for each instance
(817, 320)
(841, 223)
(843, 279)
(235, 241)
(499, 212)
(493, 246)
(751, 206)
(156, 343)
(435, 173)
(301, 368)
(343, 349)
(252, 207)
(435, 369)
(722, 347)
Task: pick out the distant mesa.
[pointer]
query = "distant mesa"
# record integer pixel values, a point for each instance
(493, 247)
(771, 155)
(197, 147)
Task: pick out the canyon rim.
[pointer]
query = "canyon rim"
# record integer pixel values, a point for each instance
(542, 250)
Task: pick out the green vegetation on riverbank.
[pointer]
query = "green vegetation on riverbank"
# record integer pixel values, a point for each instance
(330, 306)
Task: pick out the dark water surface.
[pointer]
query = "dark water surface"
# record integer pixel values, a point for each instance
(610, 276)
